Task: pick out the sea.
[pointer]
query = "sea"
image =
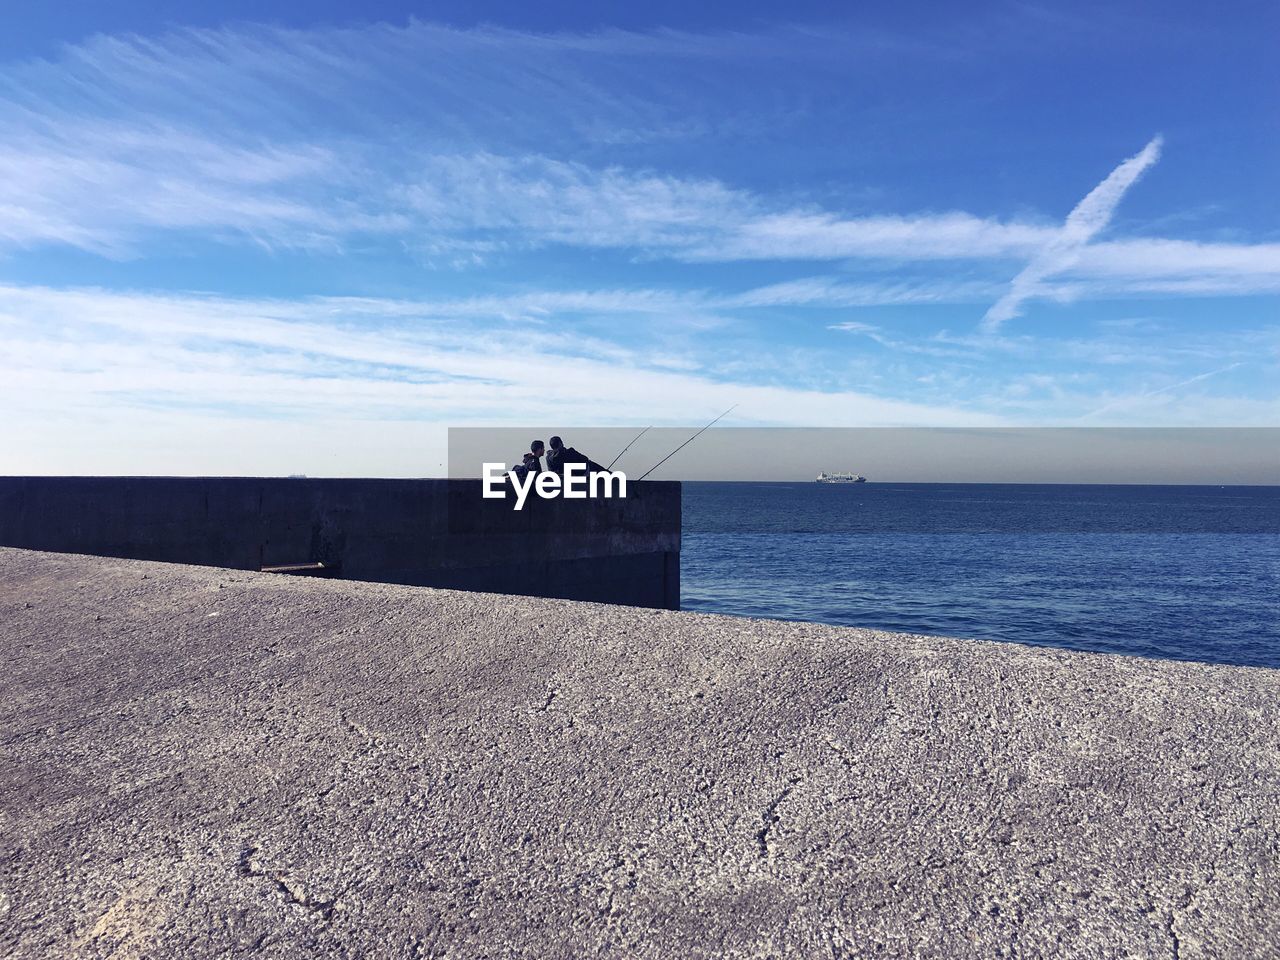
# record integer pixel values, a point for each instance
(1181, 572)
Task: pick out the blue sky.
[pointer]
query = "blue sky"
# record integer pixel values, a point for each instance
(257, 238)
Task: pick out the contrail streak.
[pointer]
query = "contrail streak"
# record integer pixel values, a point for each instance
(1127, 401)
(1091, 215)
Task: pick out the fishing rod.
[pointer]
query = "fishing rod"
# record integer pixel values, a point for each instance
(687, 442)
(628, 446)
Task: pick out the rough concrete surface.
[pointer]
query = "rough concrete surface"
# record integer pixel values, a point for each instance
(202, 762)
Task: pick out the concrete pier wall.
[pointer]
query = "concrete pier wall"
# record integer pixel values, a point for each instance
(420, 532)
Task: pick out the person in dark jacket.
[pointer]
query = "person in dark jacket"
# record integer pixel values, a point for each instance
(532, 462)
(559, 455)
(554, 463)
(527, 466)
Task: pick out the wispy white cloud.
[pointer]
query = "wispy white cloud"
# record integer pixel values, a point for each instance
(1188, 265)
(826, 236)
(181, 370)
(491, 148)
(1090, 216)
(836, 292)
(104, 188)
(84, 352)
(436, 139)
(537, 200)
(937, 346)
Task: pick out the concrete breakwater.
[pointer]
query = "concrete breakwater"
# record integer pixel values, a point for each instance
(441, 533)
(202, 762)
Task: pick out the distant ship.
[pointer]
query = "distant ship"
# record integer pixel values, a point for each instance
(825, 477)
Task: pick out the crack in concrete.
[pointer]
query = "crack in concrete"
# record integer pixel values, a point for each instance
(839, 749)
(293, 891)
(1174, 916)
(1173, 934)
(770, 817)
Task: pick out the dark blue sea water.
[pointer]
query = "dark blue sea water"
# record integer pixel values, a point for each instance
(1191, 573)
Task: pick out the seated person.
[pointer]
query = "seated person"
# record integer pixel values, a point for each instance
(559, 455)
(527, 466)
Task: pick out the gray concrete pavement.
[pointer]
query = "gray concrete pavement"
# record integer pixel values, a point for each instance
(201, 762)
